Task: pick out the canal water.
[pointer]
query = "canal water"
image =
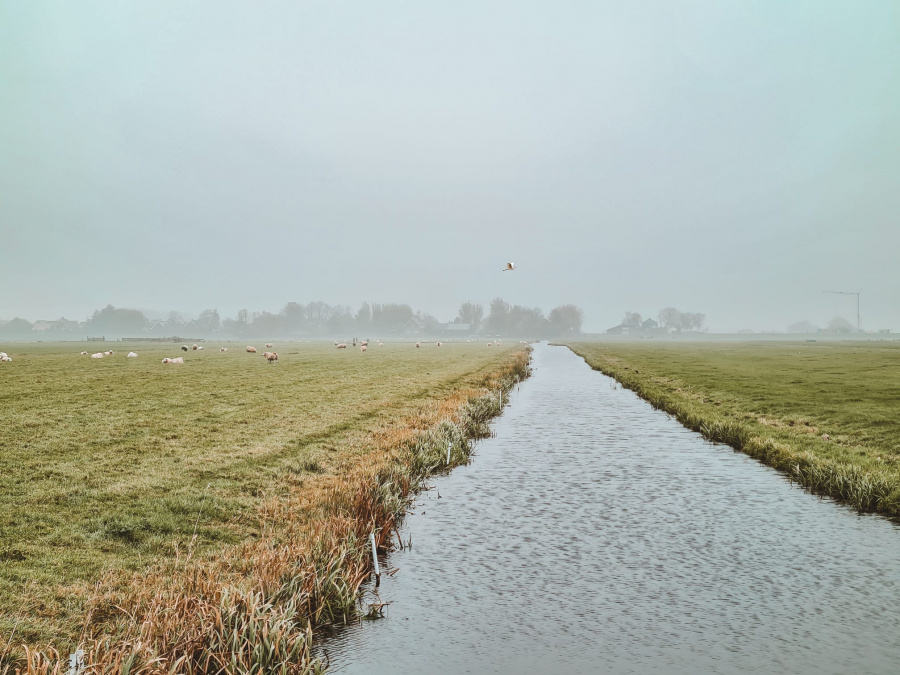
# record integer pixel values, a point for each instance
(595, 534)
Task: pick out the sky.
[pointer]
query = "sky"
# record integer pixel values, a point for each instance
(735, 159)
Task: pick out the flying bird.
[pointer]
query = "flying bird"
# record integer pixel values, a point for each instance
(509, 267)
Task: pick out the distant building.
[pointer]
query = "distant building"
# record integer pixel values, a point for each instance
(413, 326)
(458, 328)
(621, 329)
(649, 324)
(41, 327)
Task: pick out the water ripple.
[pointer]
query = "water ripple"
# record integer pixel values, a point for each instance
(595, 534)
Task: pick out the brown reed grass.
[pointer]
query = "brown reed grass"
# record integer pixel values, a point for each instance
(253, 607)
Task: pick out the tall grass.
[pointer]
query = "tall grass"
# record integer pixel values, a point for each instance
(252, 608)
(864, 478)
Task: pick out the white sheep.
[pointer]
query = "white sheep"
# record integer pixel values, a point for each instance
(5, 358)
(223, 349)
(98, 355)
(194, 347)
(271, 357)
(109, 353)
(251, 350)
(363, 348)
(440, 344)
(342, 345)
(184, 348)
(200, 348)
(268, 345)
(178, 361)
(132, 355)
(84, 353)
(418, 345)
(381, 344)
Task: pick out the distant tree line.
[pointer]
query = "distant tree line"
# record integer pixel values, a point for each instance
(314, 319)
(669, 318)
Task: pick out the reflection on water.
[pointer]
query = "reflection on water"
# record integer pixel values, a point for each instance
(597, 535)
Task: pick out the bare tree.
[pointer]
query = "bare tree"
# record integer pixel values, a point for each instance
(632, 320)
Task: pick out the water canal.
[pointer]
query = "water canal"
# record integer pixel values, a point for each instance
(594, 534)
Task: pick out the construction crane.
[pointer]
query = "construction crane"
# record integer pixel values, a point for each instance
(856, 293)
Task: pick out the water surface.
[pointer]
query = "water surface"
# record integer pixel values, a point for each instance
(595, 534)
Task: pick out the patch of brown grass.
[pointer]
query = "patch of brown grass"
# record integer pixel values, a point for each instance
(253, 606)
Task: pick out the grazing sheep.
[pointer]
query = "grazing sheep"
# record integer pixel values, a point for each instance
(418, 345)
(271, 357)
(82, 353)
(2, 354)
(132, 355)
(251, 350)
(223, 349)
(363, 348)
(826, 437)
(6, 359)
(194, 347)
(178, 362)
(109, 353)
(343, 345)
(98, 355)
(490, 344)
(269, 345)
(364, 343)
(200, 348)
(440, 344)
(184, 348)
(381, 344)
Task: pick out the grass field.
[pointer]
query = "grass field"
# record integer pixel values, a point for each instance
(113, 464)
(826, 413)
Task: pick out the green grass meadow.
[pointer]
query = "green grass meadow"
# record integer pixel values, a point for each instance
(777, 401)
(106, 464)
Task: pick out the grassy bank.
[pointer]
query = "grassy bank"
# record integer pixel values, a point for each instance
(172, 515)
(826, 414)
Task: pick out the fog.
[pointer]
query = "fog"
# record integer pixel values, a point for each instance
(734, 159)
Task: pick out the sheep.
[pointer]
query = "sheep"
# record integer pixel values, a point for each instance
(342, 345)
(440, 344)
(194, 347)
(418, 345)
(184, 348)
(82, 353)
(200, 348)
(223, 349)
(178, 362)
(98, 355)
(269, 345)
(490, 344)
(381, 344)
(132, 355)
(109, 353)
(363, 348)
(251, 350)
(5, 358)
(271, 357)
(364, 343)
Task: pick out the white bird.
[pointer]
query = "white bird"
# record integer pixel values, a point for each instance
(509, 267)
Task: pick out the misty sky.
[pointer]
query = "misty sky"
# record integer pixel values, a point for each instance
(731, 158)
